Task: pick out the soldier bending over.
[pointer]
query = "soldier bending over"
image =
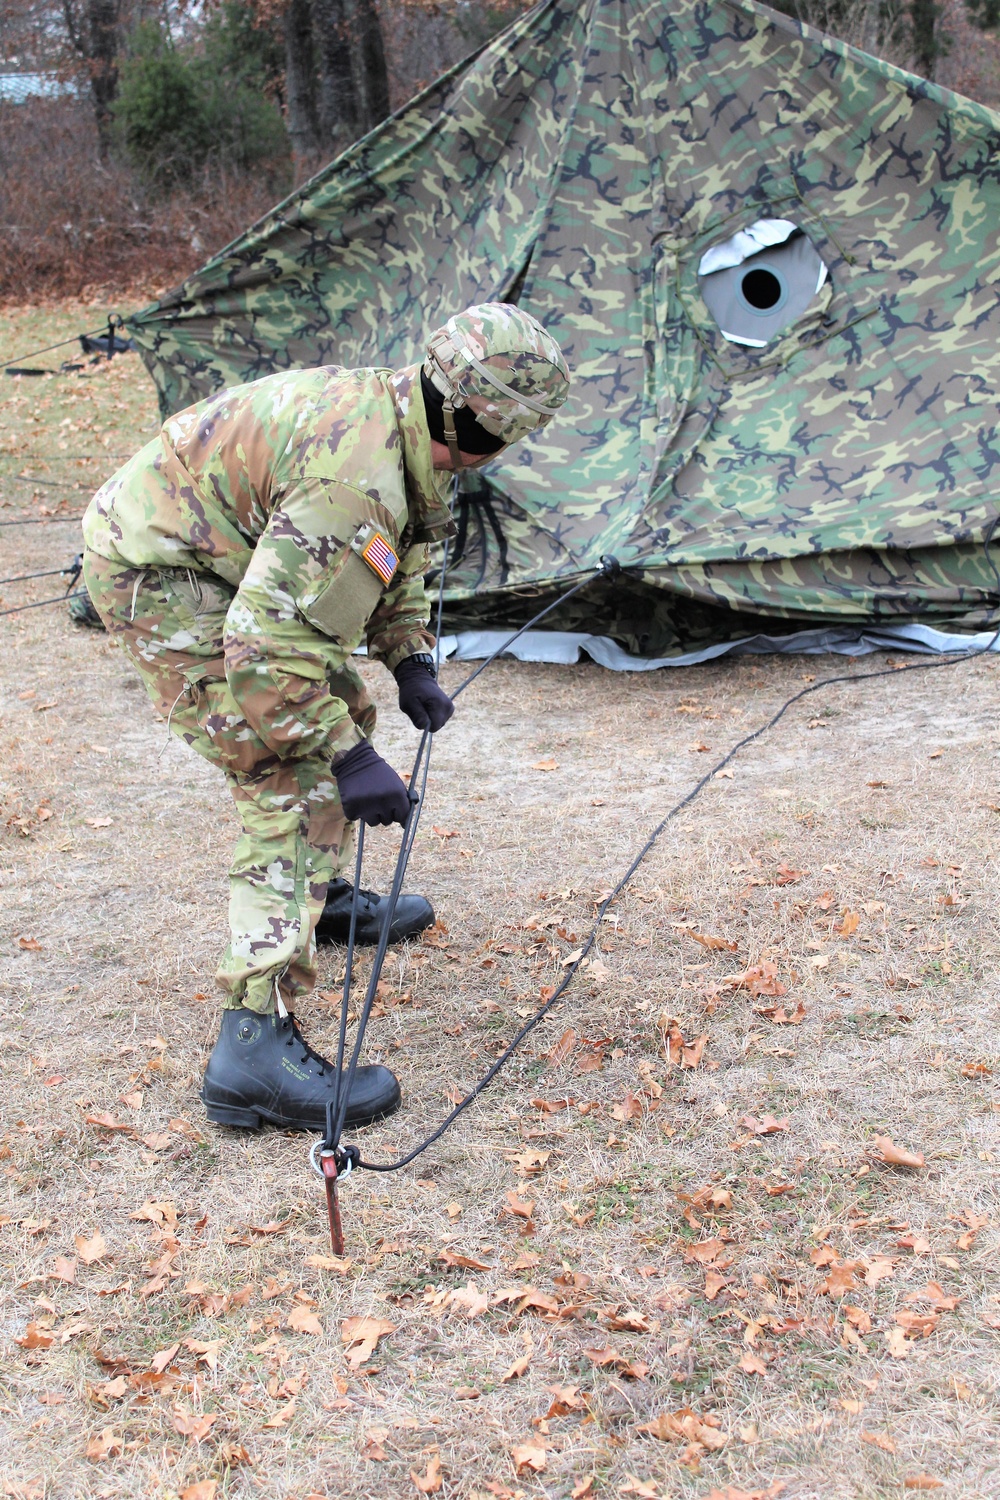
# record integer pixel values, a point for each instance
(240, 558)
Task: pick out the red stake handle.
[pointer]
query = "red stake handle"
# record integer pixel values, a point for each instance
(329, 1164)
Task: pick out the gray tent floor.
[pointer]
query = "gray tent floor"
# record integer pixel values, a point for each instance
(567, 646)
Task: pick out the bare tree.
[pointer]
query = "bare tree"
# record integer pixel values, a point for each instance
(94, 29)
(337, 83)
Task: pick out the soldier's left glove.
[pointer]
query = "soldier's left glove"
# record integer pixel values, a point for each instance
(425, 704)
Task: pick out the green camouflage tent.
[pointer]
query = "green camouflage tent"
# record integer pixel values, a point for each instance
(772, 262)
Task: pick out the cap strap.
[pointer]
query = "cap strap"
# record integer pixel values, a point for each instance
(528, 401)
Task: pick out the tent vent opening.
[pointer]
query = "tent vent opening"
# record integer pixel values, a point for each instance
(761, 281)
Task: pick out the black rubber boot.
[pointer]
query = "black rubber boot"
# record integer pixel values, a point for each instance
(412, 915)
(262, 1071)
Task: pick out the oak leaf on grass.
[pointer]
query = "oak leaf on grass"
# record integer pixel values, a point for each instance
(454, 1258)
(283, 1415)
(896, 1156)
(714, 1284)
(34, 1337)
(330, 1263)
(91, 1250)
(360, 1337)
(644, 1488)
(529, 1456)
(879, 1440)
(204, 1490)
(303, 1320)
(193, 1425)
(105, 1445)
(840, 1278)
(732, 1493)
(879, 1268)
(430, 1482)
(520, 1208)
(766, 1125)
(687, 1426)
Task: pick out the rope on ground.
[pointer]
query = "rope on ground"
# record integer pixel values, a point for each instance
(40, 520)
(350, 1155)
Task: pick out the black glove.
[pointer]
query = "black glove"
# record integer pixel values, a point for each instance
(426, 705)
(370, 789)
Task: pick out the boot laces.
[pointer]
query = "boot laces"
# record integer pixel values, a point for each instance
(295, 1038)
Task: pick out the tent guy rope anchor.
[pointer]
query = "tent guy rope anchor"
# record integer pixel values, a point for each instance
(334, 1160)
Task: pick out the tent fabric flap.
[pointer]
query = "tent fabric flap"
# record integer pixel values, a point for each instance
(839, 461)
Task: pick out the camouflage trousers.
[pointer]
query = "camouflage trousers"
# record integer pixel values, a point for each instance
(295, 838)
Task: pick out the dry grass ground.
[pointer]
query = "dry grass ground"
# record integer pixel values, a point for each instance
(721, 1287)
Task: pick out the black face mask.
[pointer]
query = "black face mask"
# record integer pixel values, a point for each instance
(472, 436)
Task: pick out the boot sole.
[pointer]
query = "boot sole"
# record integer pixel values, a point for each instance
(252, 1119)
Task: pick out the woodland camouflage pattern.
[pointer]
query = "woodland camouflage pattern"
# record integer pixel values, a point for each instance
(220, 556)
(580, 165)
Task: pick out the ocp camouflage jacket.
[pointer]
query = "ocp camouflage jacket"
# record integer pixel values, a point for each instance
(277, 488)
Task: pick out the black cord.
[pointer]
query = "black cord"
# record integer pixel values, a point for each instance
(755, 734)
(23, 577)
(30, 354)
(59, 599)
(610, 566)
(40, 520)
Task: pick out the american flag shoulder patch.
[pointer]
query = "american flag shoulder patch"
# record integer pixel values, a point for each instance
(377, 552)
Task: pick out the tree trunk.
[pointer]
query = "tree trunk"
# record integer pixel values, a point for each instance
(300, 80)
(336, 98)
(94, 29)
(368, 69)
(103, 23)
(926, 41)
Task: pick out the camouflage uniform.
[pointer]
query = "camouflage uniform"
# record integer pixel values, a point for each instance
(227, 558)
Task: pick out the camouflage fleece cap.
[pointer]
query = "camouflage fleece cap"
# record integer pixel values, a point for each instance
(499, 361)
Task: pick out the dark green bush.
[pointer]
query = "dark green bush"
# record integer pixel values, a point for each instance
(182, 109)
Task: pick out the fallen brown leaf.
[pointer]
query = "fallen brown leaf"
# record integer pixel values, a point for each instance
(840, 1278)
(563, 1047)
(429, 1483)
(878, 1440)
(922, 1482)
(204, 1490)
(529, 1456)
(303, 1320)
(767, 1125)
(520, 1208)
(192, 1425)
(360, 1337)
(686, 1426)
(91, 1250)
(896, 1156)
(329, 1263)
(714, 943)
(163, 1358)
(105, 1445)
(34, 1337)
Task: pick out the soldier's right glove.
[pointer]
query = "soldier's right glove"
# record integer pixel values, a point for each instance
(370, 789)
